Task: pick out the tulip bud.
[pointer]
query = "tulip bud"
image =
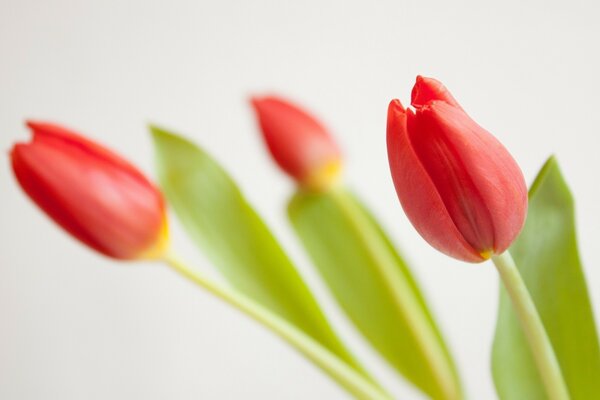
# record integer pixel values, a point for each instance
(458, 185)
(95, 195)
(299, 143)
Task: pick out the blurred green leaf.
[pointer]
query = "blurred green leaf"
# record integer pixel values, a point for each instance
(547, 257)
(374, 286)
(226, 228)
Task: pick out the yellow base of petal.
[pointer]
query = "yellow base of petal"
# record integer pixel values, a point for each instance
(323, 177)
(160, 247)
(486, 254)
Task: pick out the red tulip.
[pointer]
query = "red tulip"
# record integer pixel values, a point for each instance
(458, 185)
(95, 195)
(298, 142)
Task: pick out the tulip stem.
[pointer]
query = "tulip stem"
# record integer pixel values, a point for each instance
(539, 342)
(337, 369)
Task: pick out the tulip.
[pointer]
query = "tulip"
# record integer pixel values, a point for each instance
(299, 143)
(92, 193)
(458, 185)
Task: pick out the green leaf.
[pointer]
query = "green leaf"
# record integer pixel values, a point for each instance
(374, 286)
(231, 234)
(547, 257)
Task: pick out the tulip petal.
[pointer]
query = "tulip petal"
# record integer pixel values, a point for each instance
(417, 193)
(92, 193)
(468, 177)
(429, 89)
(298, 142)
(66, 139)
(482, 186)
(44, 194)
(435, 147)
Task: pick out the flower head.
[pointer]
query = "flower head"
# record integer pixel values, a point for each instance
(298, 142)
(92, 193)
(458, 185)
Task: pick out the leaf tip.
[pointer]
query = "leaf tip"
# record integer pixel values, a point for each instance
(550, 166)
(157, 132)
(551, 162)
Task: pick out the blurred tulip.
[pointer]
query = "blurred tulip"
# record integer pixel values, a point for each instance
(458, 185)
(300, 144)
(95, 195)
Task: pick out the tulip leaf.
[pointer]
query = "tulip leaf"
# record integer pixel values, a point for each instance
(230, 233)
(374, 286)
(548, 260)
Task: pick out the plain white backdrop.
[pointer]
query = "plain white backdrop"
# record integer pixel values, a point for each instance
(74, 325)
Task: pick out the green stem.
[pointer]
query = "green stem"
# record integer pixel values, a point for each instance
(532, 325)
(341, 372)
(404, 297)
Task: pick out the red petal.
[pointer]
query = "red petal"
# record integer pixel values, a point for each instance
(418, 194)
(95, 195)
(481, 185)
(59, 136)
(427, 90)
(297, 141)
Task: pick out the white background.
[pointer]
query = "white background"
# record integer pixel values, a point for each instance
(74, 325)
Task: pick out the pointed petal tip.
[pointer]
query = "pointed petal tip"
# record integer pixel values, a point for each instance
(255, 101)
(427, 90)
(39, 126)
(422, 91)
(396, 106)
(32, 124)
(44, 129)
(264, 103)
(266, 98)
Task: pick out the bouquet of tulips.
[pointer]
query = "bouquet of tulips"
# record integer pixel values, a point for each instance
(459, 187)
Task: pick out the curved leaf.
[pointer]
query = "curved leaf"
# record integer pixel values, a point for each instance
(547, 257)
(375, 287)
(227, 229)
